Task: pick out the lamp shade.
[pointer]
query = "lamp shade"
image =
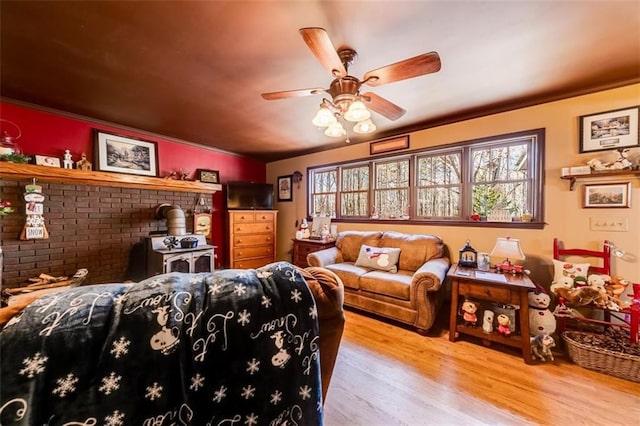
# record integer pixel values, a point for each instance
(335, 130)
(507, 248)
(324, 117)
(357, 112)
(365, 126)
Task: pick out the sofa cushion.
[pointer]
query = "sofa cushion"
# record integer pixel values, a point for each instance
(349, 242)
(394, 285)
(381, 258)
(348, 273)
(415, 249)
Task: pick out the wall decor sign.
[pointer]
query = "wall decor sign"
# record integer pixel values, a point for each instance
(389, 145)
(607, 195)
(121, 154)
(34, 228)
(285, 184)
(208, 176)
(610, 130)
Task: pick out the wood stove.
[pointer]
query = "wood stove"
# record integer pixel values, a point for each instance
(164, 257)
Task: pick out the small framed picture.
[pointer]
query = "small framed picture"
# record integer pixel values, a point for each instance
(43, 160)
(389, 145)
(208, 176)
(607, 195)
(285, 188)
(610, 130)
(123, 154)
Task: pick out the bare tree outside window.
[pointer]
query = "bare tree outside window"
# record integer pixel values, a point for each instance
(439, 184)
(354, 197)
(391, 194)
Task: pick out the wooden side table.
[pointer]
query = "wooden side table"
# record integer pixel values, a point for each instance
(301, 248)
(501, 288)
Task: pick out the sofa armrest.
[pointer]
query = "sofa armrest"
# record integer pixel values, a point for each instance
(325, 257)
(432, 274)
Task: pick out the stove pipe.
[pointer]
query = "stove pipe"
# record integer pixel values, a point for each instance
(176, 221)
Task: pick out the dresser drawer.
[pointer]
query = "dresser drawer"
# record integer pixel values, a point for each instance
(243, 217)
(253, 228)
(257, 251)
(252, 263)
(498, 294)
(264, 217)
(252, 240)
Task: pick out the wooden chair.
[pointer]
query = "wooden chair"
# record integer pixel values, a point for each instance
(632, 314)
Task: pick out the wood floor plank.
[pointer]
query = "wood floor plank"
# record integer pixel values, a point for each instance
(387, 374)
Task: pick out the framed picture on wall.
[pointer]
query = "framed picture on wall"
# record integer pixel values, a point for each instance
(208, 176)
(610, 130)
(122, 154)
(607, 195)
(285, 191)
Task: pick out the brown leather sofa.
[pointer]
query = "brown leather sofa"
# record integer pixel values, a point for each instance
(412, 295)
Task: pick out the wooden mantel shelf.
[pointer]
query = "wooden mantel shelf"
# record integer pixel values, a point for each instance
(599, 175)
(81, 177)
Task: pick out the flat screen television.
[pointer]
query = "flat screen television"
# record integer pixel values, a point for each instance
(249, 196)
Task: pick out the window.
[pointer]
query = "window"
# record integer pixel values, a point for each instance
(496, 179)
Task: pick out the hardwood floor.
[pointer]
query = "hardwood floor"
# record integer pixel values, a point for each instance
(389, 375)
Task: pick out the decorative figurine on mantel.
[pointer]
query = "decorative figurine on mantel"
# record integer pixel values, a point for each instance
(83, 163)
(67, 163)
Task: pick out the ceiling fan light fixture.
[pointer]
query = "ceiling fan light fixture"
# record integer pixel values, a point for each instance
(335, 130)
(364, 127)
(324, 117)
(357, 112)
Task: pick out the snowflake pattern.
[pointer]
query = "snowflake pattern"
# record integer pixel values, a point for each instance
(253, 366)
(33, 366)
(65, 385)
(266, 301)
(296, 296)
(305, 392)
(114, 419)
(220, 394)
(276, 397)
(240, 289)
(313, 312)
(248, 392)
(215, 289)
(243, 317)
(251, 419)
(120, 347)
(197, 382)
(110, 383)
(153, 392)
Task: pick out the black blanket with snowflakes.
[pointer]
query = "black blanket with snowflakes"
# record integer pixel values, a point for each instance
(232, 347)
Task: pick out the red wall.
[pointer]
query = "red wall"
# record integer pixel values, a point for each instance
(50, 134)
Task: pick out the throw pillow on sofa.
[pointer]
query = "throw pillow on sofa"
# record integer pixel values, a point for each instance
(381, 258)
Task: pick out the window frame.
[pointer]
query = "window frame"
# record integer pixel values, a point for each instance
(536, 161)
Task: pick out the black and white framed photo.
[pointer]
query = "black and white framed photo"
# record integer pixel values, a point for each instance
(607, 195)
(285, 192)
(121, 154)
(610, 130)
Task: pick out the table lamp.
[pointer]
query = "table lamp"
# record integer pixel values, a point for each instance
(508, 248)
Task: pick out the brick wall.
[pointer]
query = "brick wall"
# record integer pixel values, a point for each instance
(91, 227)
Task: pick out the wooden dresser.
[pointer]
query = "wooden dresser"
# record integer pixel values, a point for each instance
(252, 238)
(301, 248)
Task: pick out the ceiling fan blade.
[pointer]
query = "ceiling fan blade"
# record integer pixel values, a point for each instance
(320, 45)
(272, 96)
(426, 63)
(383, 106)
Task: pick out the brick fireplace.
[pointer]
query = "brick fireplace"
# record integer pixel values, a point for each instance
(89, 226)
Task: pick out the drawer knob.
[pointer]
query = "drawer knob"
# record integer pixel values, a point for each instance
(487, 292)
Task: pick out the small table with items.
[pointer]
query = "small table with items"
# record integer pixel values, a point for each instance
(508, 289)
(301, 248)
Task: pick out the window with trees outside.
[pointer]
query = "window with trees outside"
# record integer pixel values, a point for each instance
(493, 180)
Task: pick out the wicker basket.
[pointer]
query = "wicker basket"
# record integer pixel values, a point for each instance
(616, 364)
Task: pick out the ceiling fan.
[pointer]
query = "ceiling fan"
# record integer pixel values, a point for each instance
(346, 100)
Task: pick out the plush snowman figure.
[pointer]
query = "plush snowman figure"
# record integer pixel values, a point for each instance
(541, 319)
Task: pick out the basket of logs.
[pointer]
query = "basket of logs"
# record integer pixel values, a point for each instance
(610, 352)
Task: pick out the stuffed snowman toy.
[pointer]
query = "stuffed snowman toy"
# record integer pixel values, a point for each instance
(541, 319)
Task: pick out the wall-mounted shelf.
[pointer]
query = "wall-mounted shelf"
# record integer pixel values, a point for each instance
(599, 175)
(81, 177)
